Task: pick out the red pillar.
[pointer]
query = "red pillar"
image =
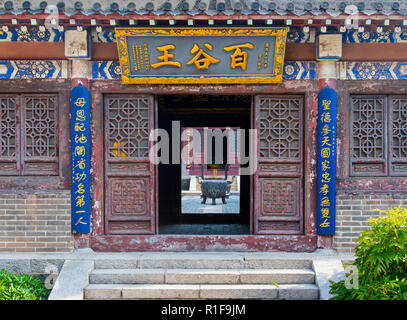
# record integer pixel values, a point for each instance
(327, 76)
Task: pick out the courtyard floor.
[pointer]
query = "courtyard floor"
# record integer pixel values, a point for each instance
(192, 204)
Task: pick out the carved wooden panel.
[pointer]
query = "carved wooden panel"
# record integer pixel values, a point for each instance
(279, 197)
(129, 197)
(368, 135)
(129, 176)
(278, 207)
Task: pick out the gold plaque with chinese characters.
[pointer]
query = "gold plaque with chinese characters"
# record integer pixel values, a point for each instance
(201, 55)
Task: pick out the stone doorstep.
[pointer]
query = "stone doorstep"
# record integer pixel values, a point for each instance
(202, 262)
(201, 291)
(201, 276)
(191, 261)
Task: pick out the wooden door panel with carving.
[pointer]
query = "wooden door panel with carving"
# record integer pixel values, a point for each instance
(129, 183)
(278, 182)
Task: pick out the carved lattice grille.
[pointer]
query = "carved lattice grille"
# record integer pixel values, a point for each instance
(368, 128)
(378, 135)
(8, 126)
(40, 123)
(279, 128)
(399, 128)
(127, 127)
(28, 134)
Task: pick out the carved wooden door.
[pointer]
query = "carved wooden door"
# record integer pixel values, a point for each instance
(278, 182)
(129, 175)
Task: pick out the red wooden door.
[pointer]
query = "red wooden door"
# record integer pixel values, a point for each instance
(129, 175)
(278, 182)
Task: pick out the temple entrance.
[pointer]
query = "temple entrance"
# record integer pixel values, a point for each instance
(211, 197)
(204, 193)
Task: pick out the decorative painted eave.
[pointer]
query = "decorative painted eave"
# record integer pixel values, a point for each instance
(209, 8)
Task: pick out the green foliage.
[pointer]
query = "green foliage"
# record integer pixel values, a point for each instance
(381, 260)
(21, 287)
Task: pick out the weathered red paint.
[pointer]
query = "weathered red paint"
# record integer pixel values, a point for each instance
(97, 156)
(330, 82)
(306, 242)
(44, 183)
(310, 156)
(80, 81)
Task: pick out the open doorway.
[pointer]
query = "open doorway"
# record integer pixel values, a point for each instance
(210, 197)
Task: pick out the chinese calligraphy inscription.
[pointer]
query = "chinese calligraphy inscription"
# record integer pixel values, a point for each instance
(188, 55)
(326, 170)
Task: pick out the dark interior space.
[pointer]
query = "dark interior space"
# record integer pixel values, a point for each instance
(200, 111)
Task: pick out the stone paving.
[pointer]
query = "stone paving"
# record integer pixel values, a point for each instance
(192, 204)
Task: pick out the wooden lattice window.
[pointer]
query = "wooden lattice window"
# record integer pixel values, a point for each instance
(128, 127)
(398, 139)
(279, 128)
(378, 136)
(28, 134)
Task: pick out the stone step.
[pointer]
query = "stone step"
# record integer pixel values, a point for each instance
(204, 261)
(202, 291)
(201, 276)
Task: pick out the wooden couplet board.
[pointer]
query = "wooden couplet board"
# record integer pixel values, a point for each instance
(278, 182)
(326, 167)
(80, 157)
(201, 55)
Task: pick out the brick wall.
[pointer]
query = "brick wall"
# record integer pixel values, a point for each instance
(39, 222)
(353, 213)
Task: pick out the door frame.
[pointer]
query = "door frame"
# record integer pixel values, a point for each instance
(306, 242)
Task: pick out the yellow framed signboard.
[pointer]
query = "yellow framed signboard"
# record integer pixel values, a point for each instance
(201, 55)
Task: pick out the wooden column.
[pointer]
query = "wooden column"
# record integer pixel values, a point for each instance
(329, 51)
(80, 74)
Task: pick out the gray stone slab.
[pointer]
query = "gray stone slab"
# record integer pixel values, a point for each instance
(281, 276)
(72, 280)
(160, 291)
(191, 261)
(127, 276)
(16, 265)
(240, 291)
(103, 291)
(276, 263)
(201, 276)
(297, 292)
(116, 263)
(325, 271)
(39, 266)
